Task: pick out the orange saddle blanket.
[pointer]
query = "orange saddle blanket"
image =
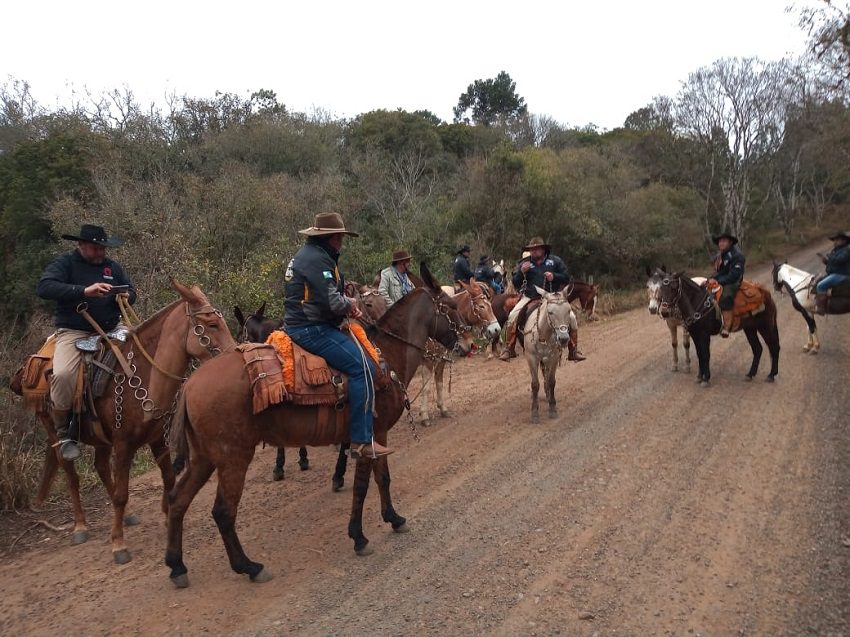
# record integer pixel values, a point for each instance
(749, 299)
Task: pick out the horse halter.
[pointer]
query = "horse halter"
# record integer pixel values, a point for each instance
(199, 330)
(441, 309)
(697, 315)
(563, 327)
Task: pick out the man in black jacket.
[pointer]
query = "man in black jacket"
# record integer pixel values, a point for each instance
(729, 266)
(837, 264)
(548, 272)
(461, 270)
(84, 275)
(315, 307)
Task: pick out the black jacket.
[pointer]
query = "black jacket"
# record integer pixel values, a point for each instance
(64, 281)
(838, 260)
(534, 276)
(461, 270)
(314, 287)
(485, 274)
(731, 270)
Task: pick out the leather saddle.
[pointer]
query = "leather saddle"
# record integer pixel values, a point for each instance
(842, 290)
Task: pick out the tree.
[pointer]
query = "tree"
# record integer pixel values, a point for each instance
(490, 101)
(828, 26)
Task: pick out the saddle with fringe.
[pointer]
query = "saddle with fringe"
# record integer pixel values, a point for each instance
(749, 300)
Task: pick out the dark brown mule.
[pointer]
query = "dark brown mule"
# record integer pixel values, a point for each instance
(222, 434)
(699, 314)
(187, 328)
(256, 329)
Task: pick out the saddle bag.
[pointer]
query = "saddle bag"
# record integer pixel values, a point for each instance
(32, 380)
(315, 382)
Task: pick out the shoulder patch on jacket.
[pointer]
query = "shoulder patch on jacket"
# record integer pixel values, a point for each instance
(328, 274)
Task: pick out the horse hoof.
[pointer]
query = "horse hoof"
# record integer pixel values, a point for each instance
(535, 419)
(813, 351)
(748, 378)
(121, 557)
(401, 529)
(444, 413)
(770, 379)
(180, 581)
(337, 484)
(262, 577)
(553, 413)
(79, 537)
(304, 465)
(277, 476)
(704, 383)
(132, 520)
(674, 369)
(366, 550)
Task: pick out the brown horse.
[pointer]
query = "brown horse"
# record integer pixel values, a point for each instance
(222, 434)
(136, 411)
(673, 318)
(701, 318)
(475, 308)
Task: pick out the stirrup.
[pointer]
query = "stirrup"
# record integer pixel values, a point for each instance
(68, 449)
(367, 450)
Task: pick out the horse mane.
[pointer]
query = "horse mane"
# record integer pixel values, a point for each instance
(144, 327)
(795, 270)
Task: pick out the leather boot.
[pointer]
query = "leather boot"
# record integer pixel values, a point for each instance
(821, 303)
(68, 448)
(510, 343)
(573, 353)
(727, 323)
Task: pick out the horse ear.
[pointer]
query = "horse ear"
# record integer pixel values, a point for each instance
(259, 313)
(590, 279)
(185, 292)
(663, 268)
(239, 316)
(540, 290)
(427, 278)
(648, 271)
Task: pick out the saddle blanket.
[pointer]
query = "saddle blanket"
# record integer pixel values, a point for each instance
(749, 300)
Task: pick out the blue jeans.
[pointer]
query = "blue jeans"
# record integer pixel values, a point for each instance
(343, 354)
(830, 281)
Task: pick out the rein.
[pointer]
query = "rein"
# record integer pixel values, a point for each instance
(698, 314)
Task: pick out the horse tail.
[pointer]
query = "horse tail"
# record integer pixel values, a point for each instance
(177, 439)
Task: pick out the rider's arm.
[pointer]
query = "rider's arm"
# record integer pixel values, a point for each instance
(55, 284)
(560, 276)
(384, 286)
(121, 278)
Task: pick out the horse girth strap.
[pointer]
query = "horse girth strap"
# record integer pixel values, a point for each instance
(119, 355)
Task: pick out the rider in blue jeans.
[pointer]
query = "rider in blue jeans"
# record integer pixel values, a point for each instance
(837, 269)
(315, 307)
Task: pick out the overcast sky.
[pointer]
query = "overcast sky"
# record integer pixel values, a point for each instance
(579, 62)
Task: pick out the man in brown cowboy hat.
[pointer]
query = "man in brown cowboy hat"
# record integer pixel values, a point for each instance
(394, 280)
(729, 266)
(316, 306)
(85, 274)
(548, 272)
(837, 263)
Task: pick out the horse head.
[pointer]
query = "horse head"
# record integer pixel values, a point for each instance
(776, 277)
(372, 303)
(255, 328)
(653, 289)
(206, 331)
(559, 316)
(475, 307)
(452, 331)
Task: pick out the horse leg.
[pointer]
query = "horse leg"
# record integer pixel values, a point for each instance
(425, 376)
(166, 470)
(535, 388)
(439, 368)
(338, 479)
(755, 345)
(702, 342)
(674, 343)
(199, 471)
(686, 345)
(81, 531)
(279, 462)
(770, 334)
(355, 522)
(231, 482)
(549, 375)
(48, 474)
(303, 461)
(120, 495)
(381, 473)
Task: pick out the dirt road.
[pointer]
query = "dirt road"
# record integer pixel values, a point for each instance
(650, 506)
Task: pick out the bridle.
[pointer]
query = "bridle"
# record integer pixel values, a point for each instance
(562, 328)
(442, 309)
(697, 315)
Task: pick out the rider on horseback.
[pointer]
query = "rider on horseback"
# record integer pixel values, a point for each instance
(316, 306)
(837, 269)
(84, 275)
(729, 266)
(395, 283)
(544, 270)
(461, 270)
(485, 274)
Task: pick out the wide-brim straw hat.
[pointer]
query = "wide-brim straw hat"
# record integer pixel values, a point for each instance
(401, 255)
(327, 223)
(843, 234)
(725, 235)
(537, 242)
(94, 234)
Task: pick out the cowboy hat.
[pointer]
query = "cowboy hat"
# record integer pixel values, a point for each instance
(843, 234)
(537, 242)
(400, 255)
(94, 234)
(725, 235)
(463, 248)
(327, 223)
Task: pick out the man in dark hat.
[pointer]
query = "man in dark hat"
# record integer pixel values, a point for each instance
(729, 272)
(461, 270)
(395, 283)
(315, 307)
(85, 274)
(837, 263)
(484, 273)
(548, 272)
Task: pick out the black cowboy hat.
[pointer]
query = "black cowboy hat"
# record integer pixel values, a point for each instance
(463, 248)
(725, 235)
(94, 234)
(842, 234)
(483, 258)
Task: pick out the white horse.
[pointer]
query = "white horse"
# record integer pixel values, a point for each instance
(799, 285)
(673, 319)
(545, 335)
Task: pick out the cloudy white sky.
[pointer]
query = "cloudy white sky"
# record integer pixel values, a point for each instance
(589, 61)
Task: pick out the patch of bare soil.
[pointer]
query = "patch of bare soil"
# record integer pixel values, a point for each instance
(649, 506)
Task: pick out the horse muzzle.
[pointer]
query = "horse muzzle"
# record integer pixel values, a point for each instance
(492, 330)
